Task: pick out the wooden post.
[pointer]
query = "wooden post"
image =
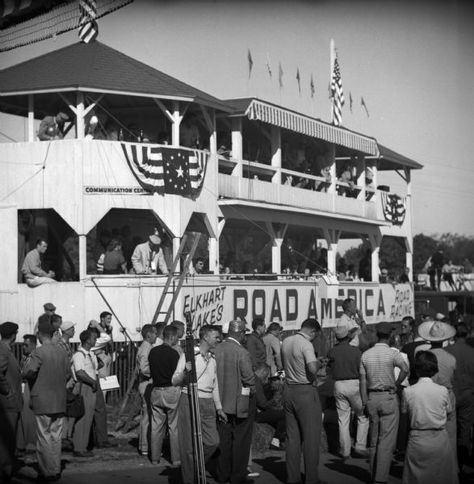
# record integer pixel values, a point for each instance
(80, 125)
(31, 118)
(276, 153)
(82, 256)
(237, 149)
(176, 244)
(175, 124)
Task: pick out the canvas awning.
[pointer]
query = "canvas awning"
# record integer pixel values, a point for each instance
(284, 118)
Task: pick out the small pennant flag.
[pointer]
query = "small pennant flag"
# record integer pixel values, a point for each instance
(280, 75)
(269, 68)
(350, 100)
(88, 29)
(337, 93)
(250, 60)
(311, 86)
(298, 78)
(362, 103)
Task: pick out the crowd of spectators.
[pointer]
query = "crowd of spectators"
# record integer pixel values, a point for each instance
(409, 386)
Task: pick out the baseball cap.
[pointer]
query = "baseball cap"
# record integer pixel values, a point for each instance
(67, 325)
(49, 307)
(154, 239)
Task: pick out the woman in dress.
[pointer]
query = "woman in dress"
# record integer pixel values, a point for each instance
(429, 457)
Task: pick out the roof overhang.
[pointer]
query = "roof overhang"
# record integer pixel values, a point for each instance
(260, 211)
(391, 160)
(268, 113)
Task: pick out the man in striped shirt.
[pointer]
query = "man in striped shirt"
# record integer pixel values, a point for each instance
(378, 393)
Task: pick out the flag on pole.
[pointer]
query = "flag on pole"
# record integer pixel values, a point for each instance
(298, 78)
(250, 61)
(311, 86)
(362, 103)
(280, 75)
(269, 68)
(337, 93)
(88, 29)
(350, 100)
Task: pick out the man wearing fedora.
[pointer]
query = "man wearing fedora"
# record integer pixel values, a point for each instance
(148, 258)
(378, 391)
(437, 332)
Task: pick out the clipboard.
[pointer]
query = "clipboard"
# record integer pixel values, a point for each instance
(109, 383)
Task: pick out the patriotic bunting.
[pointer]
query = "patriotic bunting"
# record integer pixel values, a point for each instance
(337, 93)
(88, 29)
(167, 170)
(394, 208)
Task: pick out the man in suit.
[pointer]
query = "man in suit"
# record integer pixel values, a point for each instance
(47, 371)
(11, 401)
(148, 258)
(236, 382)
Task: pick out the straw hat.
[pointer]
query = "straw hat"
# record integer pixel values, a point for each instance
(436, 331)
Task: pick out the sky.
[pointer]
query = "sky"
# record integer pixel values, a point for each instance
(411, 61)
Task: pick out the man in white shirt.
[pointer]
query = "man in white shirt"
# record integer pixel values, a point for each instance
(209, 401)
(149, 335)
(84, 370)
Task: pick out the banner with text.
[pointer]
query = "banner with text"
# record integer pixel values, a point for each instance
(289, 304)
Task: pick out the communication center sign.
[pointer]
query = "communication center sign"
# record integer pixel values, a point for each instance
(289, 304)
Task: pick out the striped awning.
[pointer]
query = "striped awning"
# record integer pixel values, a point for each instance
(267, 113)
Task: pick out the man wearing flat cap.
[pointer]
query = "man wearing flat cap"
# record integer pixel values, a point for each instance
(148, 258)
(52, 127)
(378, 393)
(236, 382)
(11, 401)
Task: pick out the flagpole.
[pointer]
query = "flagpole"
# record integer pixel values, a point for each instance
(331, 67)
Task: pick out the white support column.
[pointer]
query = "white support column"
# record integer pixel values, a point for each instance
(332, 171)
(213, 255)
(176, 244)
(82, 256)
(237, 148)
(375, 239)
(278, 236)
(276, 153)
(175, 124)
(80, 126)
(332, 238)
(361, 177)
(210, 119)
(31, 118)
(409, 255)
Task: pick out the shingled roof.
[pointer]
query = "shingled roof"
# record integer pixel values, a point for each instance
(97, 67)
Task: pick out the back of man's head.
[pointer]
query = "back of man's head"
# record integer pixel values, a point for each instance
(257, 323)
(170, 333)
(147, 329)
(346, 304)
(311, 324)
(44, 324)
(85, 336)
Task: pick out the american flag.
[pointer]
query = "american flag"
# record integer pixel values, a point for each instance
(88, 29)
(337, 93)
(167, 170)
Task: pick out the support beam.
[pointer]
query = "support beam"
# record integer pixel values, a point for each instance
(174, 117)
(332, 237)
(409, 255)
(176, 244)
(80, 125)
(276, 153)
(31, 118)
(277, 233)
(213, 255)
(237, 146)
(82, 256)
(210, 120)
(332, 170)
(375, 239)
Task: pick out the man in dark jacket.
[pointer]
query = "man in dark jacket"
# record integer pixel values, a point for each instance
(236, 381)
(255, 345)
(11, 401)
(47, 371)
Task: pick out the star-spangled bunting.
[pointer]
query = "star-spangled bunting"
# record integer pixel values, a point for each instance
(250, 61)
(280, 75)
(394, 208)
(88, 29)
(298, 78)
(337, 93)
(164, 170)
(311, 86)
